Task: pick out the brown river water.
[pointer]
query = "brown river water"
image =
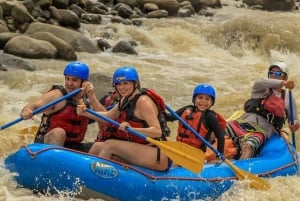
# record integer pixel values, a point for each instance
(229, 51)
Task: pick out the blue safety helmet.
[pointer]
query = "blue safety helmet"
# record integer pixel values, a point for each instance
(77, 69)
(125, 73)
(205, 89)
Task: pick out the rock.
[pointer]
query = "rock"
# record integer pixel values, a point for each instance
(27, 47)
(9, 62)
(65, 17)
(124, 47)
(103, 44)
(171, 6)
(20, 13)
(5, 37)
(64, 50)
(157, 14)
(79, 42)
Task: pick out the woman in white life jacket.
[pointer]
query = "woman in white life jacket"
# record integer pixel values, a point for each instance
(265, 112)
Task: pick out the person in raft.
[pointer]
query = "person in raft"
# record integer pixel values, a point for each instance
(265, 112)
(139, 110)
(60, 124)
(208, 123)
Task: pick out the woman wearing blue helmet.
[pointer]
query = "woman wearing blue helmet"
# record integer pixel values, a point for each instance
(60, 124)
(136, 110)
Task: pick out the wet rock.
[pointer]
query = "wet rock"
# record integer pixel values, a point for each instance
(9, 62)
(78, 41)
(20, 13)
(27, 47)
(64, 50)
(103, 44)
(91, 18)
(171, 6)
(65, 17)
(124, 47)
(124, 11)
(5, 37)
(149, 7)
(157, 14)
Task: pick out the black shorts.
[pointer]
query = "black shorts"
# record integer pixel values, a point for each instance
(84, 147)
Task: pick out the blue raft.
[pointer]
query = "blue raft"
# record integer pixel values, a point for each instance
(51, 169)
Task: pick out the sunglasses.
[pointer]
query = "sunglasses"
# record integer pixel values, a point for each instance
(276, 73)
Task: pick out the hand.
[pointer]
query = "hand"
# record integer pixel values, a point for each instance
(88, 88)
(294, 127)
(289, 84)
(27, 113)
(124, 125)
(81, 108)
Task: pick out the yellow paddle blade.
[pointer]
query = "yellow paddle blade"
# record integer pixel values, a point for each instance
(235, 115)
(182, 154)
(256, 182)
(29, 130)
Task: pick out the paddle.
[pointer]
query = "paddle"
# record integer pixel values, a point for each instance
(256, 182)
(292, 116)
(182, 154)
(40, 109)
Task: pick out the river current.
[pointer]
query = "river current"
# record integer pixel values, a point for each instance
(229, 50)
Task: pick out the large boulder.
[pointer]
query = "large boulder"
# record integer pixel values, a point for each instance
(79, 42)
(27, 47)
(172, 6)
(9, 62)
(64, 50)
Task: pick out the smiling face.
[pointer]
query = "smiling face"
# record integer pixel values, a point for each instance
(125, 88)
(203, 102)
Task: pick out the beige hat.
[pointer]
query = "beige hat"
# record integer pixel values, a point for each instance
(281, 65)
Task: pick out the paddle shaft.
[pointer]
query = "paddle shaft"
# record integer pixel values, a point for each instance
(292, 116)
(42, 108)
(105, 118)
(219, 154)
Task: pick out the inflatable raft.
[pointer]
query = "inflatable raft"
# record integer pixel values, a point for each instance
(52, 169)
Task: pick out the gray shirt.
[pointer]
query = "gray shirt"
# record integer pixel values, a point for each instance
(260, 90)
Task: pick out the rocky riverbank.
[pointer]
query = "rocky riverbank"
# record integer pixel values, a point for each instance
(51, 29)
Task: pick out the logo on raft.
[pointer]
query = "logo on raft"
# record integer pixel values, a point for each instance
(104, 170)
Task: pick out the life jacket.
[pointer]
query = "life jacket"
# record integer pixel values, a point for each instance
(197, 120)
(272, 108)
(109, 100)
(127, 114)
(66, 118)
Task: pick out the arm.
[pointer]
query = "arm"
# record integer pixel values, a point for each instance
(214, 125)
(147, 110)
(27, 111)
(261, 85)
(88, 89)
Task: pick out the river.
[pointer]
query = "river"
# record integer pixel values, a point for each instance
(229, 50)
